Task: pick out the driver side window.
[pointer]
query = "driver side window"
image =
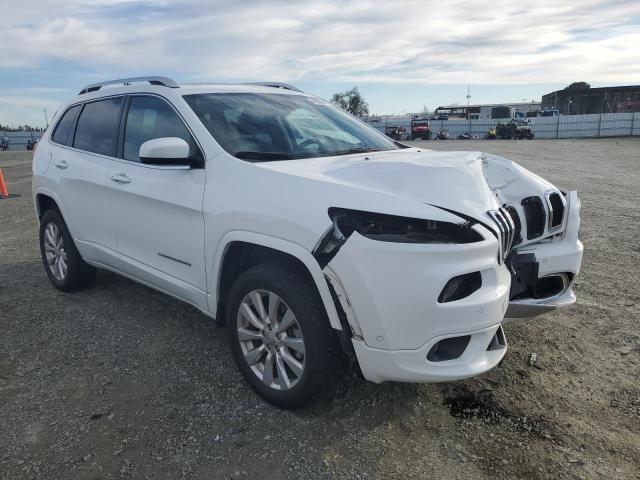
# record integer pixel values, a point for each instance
(149, 118)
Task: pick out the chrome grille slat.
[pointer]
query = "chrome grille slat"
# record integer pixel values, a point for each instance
(506, 231)
(512, 227)
(551, 197)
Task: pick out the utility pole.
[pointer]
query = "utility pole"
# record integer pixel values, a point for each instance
(468, 103)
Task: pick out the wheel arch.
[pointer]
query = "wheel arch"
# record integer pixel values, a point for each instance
(240, 250)
(45, 201)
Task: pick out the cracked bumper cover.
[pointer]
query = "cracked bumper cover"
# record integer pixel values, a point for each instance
(389, 292)
(412, 365)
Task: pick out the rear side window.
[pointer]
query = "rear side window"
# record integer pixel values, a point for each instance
(97, 129)
(149, 118)
(62, 131)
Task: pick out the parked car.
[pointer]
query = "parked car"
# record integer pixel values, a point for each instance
(514, 130)
(396, 133)
(443, 134)
(308, 233)
(420, 129)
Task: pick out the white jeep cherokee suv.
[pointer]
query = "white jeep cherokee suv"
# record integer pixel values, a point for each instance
(305, 231)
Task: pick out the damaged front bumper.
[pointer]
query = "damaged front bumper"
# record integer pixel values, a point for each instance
(485, 349)
(391, 295)
(403, 327)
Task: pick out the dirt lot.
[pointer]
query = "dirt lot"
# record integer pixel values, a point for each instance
(120, 381)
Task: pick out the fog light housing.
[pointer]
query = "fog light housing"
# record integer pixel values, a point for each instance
(460, 287)
(550, 285)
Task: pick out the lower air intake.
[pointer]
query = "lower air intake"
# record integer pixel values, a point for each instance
(448, 349)
(550, 286)
(497, 342)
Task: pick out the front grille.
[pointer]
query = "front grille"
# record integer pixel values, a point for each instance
(555, 202)
(535, 216)
(506, 231)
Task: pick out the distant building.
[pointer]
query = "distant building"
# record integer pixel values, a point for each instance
(509, 110)
(593, 100)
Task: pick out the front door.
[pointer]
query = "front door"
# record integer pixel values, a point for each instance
(158, 219)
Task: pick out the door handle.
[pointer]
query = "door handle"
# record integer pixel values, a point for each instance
(120, 178)
(61, 164)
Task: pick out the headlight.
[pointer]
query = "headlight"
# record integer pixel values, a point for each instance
(389, 228)
(392, 228)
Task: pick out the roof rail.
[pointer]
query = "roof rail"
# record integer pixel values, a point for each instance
(163, 81)
(284, 86)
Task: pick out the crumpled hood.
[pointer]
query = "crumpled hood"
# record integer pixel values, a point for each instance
(452, 180)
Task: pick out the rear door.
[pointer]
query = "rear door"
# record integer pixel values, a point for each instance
(83, 143)
(158, 219)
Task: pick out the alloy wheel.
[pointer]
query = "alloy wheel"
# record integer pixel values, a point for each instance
(271, 339)
(55, 251)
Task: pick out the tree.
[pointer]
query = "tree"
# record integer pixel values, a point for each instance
(352, 102)
(578, 86)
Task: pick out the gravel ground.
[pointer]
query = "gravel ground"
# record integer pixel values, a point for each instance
(122, 382)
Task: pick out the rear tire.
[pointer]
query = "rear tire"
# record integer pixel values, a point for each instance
(62, 261)
(261, 345)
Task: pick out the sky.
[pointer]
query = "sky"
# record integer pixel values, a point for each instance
(402, 55)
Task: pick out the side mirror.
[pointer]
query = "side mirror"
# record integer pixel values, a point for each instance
(165, 151)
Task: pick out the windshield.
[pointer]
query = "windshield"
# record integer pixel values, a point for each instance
(264, 127)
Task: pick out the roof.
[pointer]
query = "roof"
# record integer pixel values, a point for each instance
(504, 104)
(595, 90)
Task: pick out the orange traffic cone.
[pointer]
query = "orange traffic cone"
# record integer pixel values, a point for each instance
(4, 193)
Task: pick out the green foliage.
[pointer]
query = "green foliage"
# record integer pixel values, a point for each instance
(578, 86)
(351, 101)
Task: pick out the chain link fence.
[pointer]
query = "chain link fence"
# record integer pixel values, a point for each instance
(563, 126)
(18, 140)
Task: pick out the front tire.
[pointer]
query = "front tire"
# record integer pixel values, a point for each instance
(62, 261)
(280, 335)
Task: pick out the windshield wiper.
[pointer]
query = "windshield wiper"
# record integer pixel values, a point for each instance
(354, 150)
(266, 156)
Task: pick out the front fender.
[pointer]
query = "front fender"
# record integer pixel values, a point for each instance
(277, 244)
